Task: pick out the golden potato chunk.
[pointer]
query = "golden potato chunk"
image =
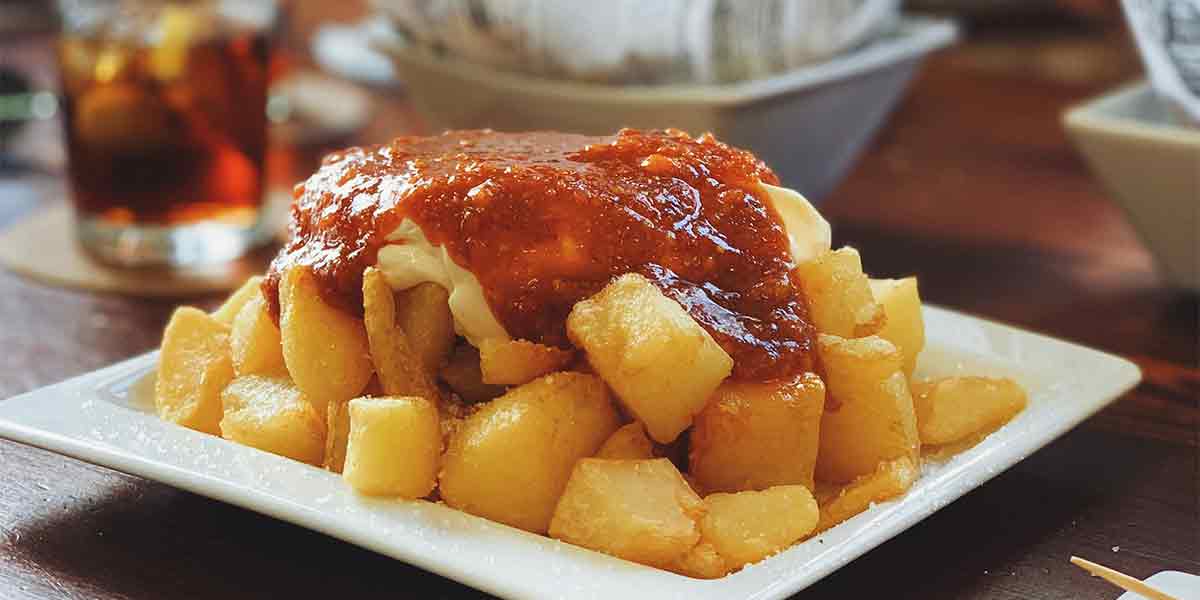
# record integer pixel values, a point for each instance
(905, 327)
(889, 480)
(747, 527)
(193, 368)
(944, 452)
(639, 510)
(400, 370)
(513, 362)
(270, 414)
(462, 373)
(839, 298)
(951, 409)
(702, 562)
(423, 312)
(337, 435)
(510, 460)
(751, 436)
(661, 364)
(629, 443)
(229, 309)
(393, 447)
(325, 349)
(254, 341)
(870, 418)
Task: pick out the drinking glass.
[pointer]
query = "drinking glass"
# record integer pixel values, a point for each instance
(164, 109)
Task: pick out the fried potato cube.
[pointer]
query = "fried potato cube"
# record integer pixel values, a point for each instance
(337, 435)
(751, 436)
(839, 298)
(951, 409)
(254, 341)
(661, 364)
(870, 418)
(193, 368)
(270, 414)
(510, 460)
(904, 327)
(398, 366)
(639, 510)
(513, 362)
(629, 443)
(325, 349)
(943, 452)
(423, 312)
(229, 309)
(747, 527)
(394, 446)
(465, 377)
(889, 480)
(702, 562)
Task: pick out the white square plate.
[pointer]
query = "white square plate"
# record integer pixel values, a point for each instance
(1183, 586)
(106, 418)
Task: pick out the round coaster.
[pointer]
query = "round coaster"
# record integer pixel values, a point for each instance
(42, 246)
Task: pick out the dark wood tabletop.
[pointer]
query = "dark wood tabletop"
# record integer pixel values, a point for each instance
(972, 186)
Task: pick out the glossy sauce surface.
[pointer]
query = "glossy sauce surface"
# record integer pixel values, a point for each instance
(544, 220)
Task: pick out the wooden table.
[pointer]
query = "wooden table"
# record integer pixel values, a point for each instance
(972, 186)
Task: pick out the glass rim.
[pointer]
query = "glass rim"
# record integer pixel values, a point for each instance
(138, 18)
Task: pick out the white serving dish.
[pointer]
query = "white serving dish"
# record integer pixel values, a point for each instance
(1183, 586)
(106, 418)
(1150, 163)
(809, 124)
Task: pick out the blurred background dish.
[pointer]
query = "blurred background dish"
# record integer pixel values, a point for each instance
(345, 49)
(637, 42)
(1150, 162)
(808, 123)
(309, 108)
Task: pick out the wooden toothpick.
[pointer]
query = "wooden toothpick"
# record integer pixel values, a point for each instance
(1121, 580)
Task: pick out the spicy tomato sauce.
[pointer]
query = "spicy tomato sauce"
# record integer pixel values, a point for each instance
(544, 220)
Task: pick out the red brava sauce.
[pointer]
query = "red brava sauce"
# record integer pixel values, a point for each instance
(544, 220)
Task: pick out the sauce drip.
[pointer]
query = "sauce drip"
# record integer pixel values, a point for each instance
(544, 220)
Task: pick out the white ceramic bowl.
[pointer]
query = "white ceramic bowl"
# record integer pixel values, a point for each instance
(808, 124)
(1151, 165)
